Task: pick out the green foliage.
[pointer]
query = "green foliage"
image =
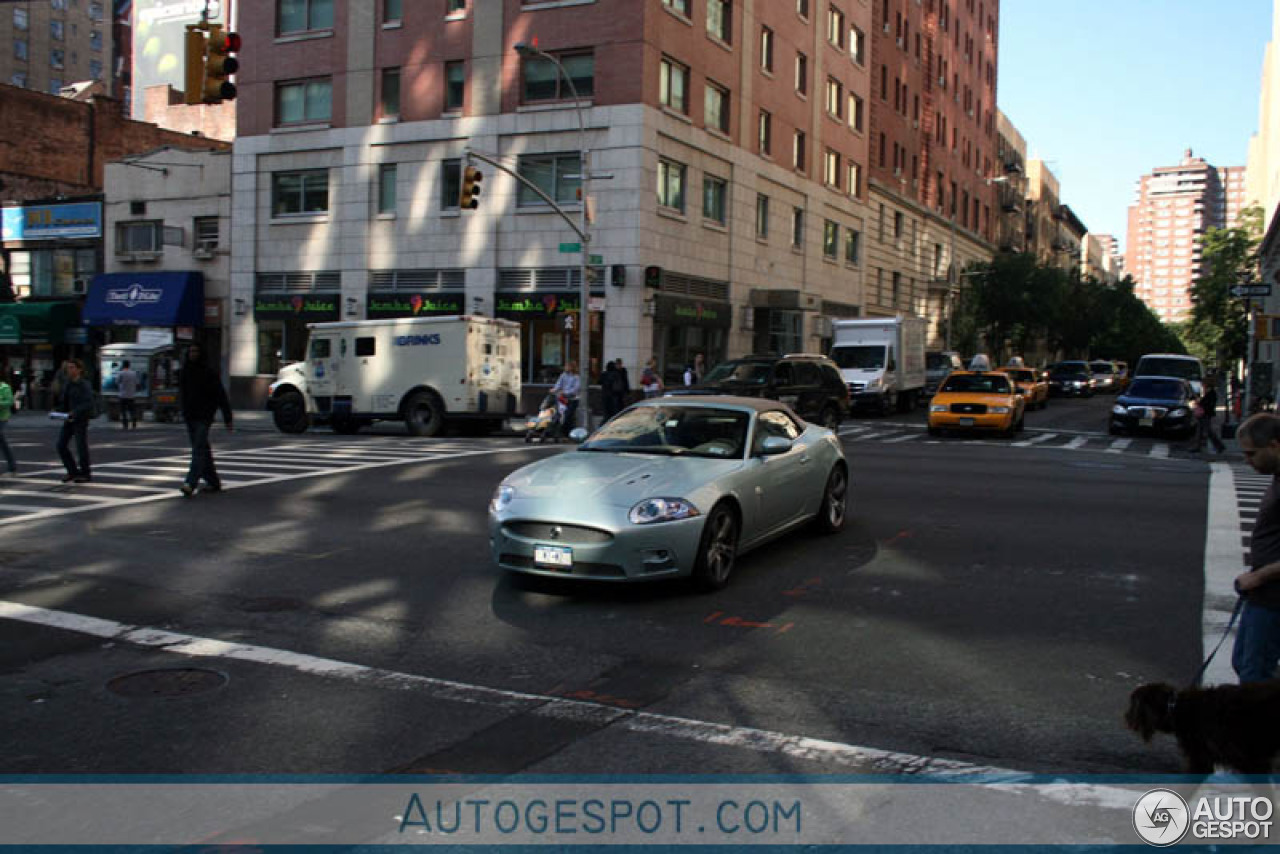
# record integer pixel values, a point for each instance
(1218, 331)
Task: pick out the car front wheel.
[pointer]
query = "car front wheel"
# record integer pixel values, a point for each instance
(830, 417)
(717, 550)
(835, 498)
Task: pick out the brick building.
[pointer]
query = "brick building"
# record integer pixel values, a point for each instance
(733, 134)
(49, 44)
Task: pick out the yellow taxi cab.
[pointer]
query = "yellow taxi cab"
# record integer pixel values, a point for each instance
(977, 400)
(1031, 384)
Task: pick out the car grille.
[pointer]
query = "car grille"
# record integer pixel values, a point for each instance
(579, 568)
(854, 388)
(970, 408)
(553, 533)
(1148, 411)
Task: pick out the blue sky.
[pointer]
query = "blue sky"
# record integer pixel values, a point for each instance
(1107, 90)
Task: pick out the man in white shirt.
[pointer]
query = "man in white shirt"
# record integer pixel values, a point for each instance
(127, 385)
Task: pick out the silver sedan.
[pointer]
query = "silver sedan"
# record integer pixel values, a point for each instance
(670, 487)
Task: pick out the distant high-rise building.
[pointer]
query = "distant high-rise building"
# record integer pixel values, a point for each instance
(1176, 205)
(52, 44)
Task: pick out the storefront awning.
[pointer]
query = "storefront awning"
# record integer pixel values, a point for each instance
(145, 299)
(37, 322)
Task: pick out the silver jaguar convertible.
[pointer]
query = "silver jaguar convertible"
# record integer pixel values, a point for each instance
(670, 487)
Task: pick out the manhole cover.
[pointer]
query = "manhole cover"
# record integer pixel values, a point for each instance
(172, 682)
(269, 604)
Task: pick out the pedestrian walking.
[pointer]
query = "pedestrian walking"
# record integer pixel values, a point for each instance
(75, 406)
(649, 379)
(624, 384)
(202, 395)
(6, 411)
(127, 386)
(1256, 654)
(1207, 409)
(611, 390)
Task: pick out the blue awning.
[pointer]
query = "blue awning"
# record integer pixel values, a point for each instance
(145, 299)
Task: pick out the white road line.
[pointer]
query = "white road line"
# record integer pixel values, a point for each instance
(1160, 451)
(704, 732)
(219, 458)
(96, 482)
(1119, 446)
(1224, 559)
(59, 496)
(1077, 443)
(907, 438)
(1044, 437)
(854, 431)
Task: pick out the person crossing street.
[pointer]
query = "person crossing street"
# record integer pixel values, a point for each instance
(202, 396)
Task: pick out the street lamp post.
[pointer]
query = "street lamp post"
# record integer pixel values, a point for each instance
(529, 51)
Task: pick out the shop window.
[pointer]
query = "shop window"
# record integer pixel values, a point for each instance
(270, 347)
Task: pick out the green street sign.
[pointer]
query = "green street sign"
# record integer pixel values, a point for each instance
(597, 259)
(570, 247)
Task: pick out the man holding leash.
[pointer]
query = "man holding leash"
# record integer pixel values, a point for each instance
(1257, 649)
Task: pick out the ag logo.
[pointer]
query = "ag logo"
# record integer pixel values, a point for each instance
(1161, 817)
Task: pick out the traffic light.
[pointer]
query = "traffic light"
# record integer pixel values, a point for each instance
(469, 198)
(193, 65)
(219, 64)
(653, 277)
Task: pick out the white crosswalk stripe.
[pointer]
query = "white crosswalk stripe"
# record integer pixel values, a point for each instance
(1119, 446)
(1035, 440)
(40, 493)
(891, 434)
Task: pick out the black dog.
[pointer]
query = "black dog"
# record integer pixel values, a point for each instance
(1237, 726)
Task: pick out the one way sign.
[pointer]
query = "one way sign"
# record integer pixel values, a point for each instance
(1245, 291)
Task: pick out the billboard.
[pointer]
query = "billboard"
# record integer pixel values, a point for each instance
(159, 27)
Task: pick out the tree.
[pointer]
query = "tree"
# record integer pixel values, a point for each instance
(1218, 330)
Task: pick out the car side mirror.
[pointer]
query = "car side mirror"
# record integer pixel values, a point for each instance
(775, 445)
(578, 435)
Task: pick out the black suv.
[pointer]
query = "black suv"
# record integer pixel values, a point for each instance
(810, 385)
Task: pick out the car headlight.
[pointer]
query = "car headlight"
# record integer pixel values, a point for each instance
(502, 497)
(1179, 412)
(1119, 410)
(1000, 410)
(874, 384)
(661, 510)
(938, 407)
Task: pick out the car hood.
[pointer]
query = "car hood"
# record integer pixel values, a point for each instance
(739, 389)
(987, 398)
(1126, 400)
(617, 479)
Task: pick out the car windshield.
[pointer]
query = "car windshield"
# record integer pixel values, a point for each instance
(867, 357)
(699, 431)
(1102, 368)
(1155, 389)
(936, 362)
(1183, 369)
(739, 371)
(1022, 376)
(977, 384)
(1070, 371)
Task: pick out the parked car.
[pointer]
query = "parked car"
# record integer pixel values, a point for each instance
(1071, 379)
(938, 365)
(1104, 376)
(1159, 404)
(972, 401)
(1031, 384)
(1187, 368)
(811, 385)
(673, 486)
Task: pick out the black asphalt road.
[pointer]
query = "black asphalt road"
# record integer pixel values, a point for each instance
(986, 604)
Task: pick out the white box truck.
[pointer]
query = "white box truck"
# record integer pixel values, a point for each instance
(425, 371)
(881, 360)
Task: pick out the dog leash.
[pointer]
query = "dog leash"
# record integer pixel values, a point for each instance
(1234, 614)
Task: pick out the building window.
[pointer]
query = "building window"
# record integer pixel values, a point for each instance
(858, 45)
(897, 224)
(20, 21)
(56, 58)
(304, 102)
(835, 98)
(797, 228)
(852, 241)
(716, 108)
(671, 184)
(20, 49)
(720, 20)
(390, 93)
(855, 178)
(802, 73)
(830, 240)
(681, 6)
(305, 192)
(835, 27)
(387, 188)
(57, 29)
(205, 231)
(762, 216)
(673, 85)
(55, 85)
(714, 195)
(139, 237)
(802, 9)
(799, 143)
(554, 174)
(855, 112)
(301, 16)
(766, 49)
(95, 40)
(455, 81)
(58, 5)
(831, 169)
(450, 184)
(95, 69)
(765, 133)
(455, 7)
(392, 11)
(18, 79)
(543, 82)
(95, 11)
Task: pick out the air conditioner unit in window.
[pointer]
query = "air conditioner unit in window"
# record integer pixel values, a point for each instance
(899, 41)
(886, 26)
(915, 124)
(203, 253)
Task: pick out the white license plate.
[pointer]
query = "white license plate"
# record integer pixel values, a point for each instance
(1146, 422)
(554, 556)
(966, 422)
